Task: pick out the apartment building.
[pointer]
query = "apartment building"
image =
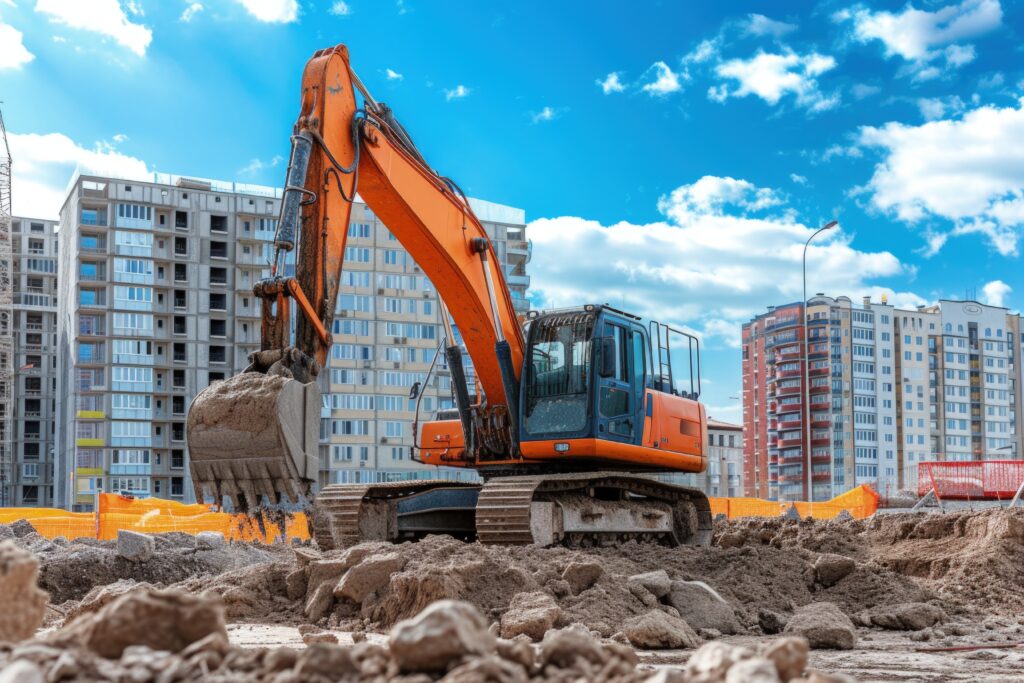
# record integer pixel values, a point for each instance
(387, 333)
(156, 303)
(884, 389)
(34, 324)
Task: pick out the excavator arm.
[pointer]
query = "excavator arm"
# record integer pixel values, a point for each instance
(339, 149)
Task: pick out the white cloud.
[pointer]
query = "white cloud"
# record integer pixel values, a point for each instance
(456, 93)
(665, 80)
(191, 11)
(134, 8)
(105, 17)
(918, 36)
(546, 114)
(996, 80)
(716, 259)
(272, 11)
(257, 165)
(44, 163)
(995, 293)
(393, 75)
(340, 8)
(861, 91)
(798, 179)
(933, 108)
(968, 171)
(760, 25)
(704, 52)
(773, 76)
(13, 53)
(611, 83)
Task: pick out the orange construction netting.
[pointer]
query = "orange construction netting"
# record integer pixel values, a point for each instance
(154, 516)
(860, 502)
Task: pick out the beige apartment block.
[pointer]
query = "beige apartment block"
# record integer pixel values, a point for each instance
(155, 303)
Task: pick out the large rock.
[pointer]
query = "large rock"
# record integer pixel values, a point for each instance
(369, 576)
(324, 661)
(530, 614)
(565, 647)
(789, 656)
(441, 634)
(582, 575)
(657, 582)
(134, 546)
(22, 603)
(753, 670)
(657, 630)
(824, 626)
(702, 607)
(907, 616)
(712, 661)
(22, 528)
(830, 568)
(209, 540)
(21, 671)
(319, 602)
(168, 620)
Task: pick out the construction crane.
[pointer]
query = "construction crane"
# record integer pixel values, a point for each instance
(573, 410)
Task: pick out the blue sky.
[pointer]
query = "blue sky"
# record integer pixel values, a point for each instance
(672, 157)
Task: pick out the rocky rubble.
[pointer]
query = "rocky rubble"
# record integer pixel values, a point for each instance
(170, 635)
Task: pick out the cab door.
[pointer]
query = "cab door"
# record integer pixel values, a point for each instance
(616, 402)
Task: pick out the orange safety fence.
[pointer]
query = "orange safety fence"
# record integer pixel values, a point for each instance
(153, 516)
(156, 516)
(860, 502)
(971, 480)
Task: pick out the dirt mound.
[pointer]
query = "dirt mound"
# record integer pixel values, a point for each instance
(173, 636)
(941, 554)
(372, 586)
(69, 570)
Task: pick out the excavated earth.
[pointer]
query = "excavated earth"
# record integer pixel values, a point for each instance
(867, 596)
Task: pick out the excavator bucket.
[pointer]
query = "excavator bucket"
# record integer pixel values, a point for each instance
(254, 435)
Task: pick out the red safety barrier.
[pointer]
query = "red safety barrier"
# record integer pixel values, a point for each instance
(971, 480)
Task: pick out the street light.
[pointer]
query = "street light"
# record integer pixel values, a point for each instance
(807, 366)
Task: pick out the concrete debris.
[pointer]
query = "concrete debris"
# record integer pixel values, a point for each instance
(657, 582)
(830, 568)
(134, 546)
(582, 575)
(208, 540)
(910, 616)
(444, 632)
(702, 607)
(657, 630)
(789, 655)
(23, 604)
(530, 615)
(824, 626)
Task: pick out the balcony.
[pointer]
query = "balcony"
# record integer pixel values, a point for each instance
(131, 469)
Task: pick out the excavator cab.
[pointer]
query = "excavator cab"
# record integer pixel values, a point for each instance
(600, 384)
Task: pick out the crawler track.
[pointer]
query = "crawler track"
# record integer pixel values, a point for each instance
(504, 507)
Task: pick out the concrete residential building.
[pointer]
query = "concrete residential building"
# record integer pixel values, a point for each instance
(887, 389)
(34, 316)
(386, 333)
(156, 302)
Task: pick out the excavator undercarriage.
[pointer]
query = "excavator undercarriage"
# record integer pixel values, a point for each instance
(601, 508)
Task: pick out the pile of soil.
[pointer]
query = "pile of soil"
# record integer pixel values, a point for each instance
(70, 569)
(152, 635)
(374, 585)
(970, 560)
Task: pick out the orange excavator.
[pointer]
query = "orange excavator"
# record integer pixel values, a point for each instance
(573, 411)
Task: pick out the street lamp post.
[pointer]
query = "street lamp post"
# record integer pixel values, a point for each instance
(807, 366)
